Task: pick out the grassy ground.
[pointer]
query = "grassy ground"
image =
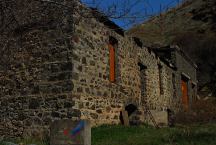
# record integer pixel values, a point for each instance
(26, 141)
(146, 135)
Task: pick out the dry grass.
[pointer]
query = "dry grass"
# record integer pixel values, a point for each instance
(203, 111)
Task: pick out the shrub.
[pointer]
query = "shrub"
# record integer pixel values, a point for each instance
(202, 111)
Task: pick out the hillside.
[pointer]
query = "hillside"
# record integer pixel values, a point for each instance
(192, 26)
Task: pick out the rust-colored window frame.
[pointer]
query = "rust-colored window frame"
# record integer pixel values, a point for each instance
(112, 62)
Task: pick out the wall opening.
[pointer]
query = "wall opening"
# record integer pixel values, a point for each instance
(160, 79)
(143, 78)
(113, 43)
(130, 109)
(174, 85)
(184, 89)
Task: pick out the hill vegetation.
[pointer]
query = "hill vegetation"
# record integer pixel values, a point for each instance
(192, 26)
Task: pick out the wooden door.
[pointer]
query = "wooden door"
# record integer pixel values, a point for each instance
(185, 99)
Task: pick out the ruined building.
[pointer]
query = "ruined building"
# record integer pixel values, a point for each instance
(69, 61)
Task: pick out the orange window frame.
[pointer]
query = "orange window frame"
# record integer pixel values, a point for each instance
(185, 98)
(112, 62)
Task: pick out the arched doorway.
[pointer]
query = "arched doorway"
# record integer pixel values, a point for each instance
(130, 109)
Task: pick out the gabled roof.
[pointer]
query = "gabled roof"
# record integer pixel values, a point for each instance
(106, 21)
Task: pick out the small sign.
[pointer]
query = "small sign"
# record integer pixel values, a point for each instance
(69, 132)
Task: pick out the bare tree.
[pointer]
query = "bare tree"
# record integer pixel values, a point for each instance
(131, 12)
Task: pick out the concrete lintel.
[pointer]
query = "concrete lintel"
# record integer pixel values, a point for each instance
(185, 75)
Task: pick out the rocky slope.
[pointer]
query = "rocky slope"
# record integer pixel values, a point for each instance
(192, 26)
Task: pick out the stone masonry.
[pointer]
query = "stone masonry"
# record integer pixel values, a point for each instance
(55, 65)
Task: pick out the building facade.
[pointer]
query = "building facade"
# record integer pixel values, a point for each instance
(80, 65)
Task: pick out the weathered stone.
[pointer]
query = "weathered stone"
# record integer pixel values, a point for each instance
(68, 66)
(108, 109)
(80, 68)
(79, 90)
(34, 104)
(92, 63)
(35, 90)
(47, 121)
(28, 122)
(94, 115)
(67, 86)
(87, 90)
(68, 104)
(55, 114)
(161, 117)
(76, 57)
(99, 93)
(60, 76)
(99, 111)
(84, 60)
(74, 113)
(21, 116)
(75, 76)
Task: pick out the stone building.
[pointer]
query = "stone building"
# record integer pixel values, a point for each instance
(60, 63)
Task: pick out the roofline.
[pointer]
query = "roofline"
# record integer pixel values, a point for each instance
(178, 49)
(101, 17)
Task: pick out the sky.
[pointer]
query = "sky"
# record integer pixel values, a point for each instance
(141, 10)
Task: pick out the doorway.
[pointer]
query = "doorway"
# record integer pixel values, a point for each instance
(184, 88)
(130, 109)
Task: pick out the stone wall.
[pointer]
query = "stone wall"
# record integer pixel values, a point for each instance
(55, 65)
(100, 100)
(36, 69)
